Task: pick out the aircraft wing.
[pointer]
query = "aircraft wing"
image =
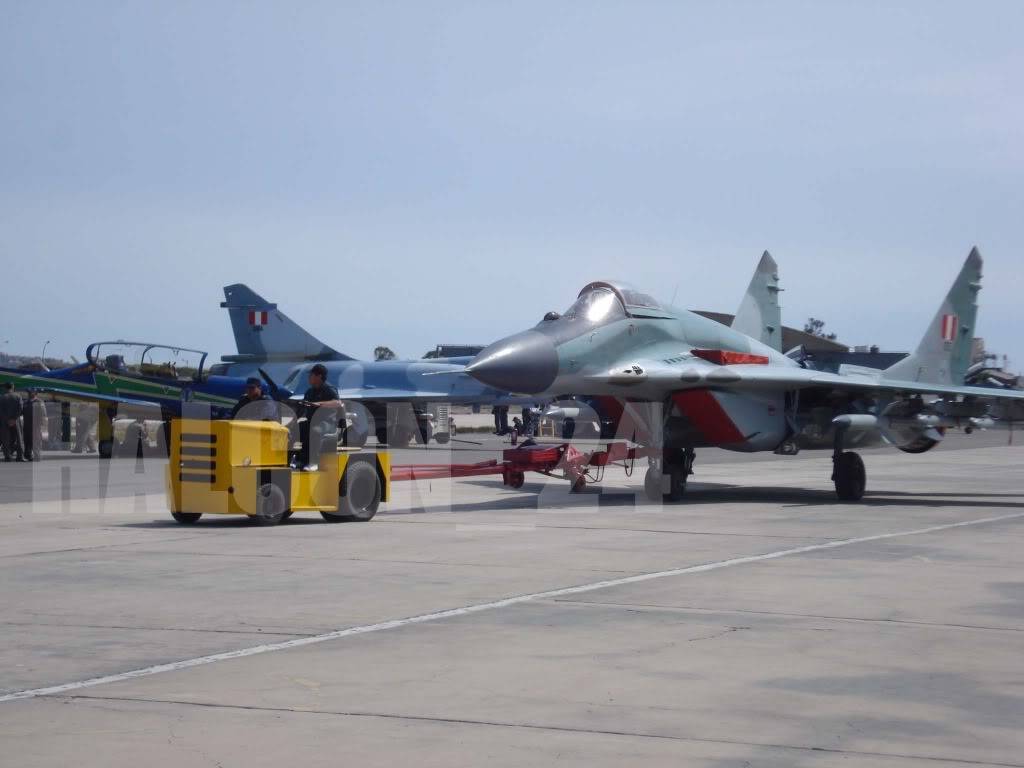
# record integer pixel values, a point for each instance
(749, 377)
(92, 397)
(436, 395)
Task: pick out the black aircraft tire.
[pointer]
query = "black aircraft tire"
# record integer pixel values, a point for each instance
(676, 485)
(362, 495)
(850, 476)
(442, 437)
(271, 505)
(187, 518)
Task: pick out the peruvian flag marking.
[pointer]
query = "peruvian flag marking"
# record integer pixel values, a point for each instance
(950, 325)
(257, 319)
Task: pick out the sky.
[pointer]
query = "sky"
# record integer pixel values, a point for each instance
(414, 173)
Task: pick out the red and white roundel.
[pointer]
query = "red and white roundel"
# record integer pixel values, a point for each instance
(950, 324)
(257, 319)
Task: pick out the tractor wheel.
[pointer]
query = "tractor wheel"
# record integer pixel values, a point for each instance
(271, 505)
(361, 498)
(187, 518)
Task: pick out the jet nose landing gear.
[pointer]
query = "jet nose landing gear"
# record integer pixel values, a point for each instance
(665, 481)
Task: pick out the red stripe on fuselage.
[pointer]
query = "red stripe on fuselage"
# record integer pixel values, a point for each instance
(728, 357)
(708, 416)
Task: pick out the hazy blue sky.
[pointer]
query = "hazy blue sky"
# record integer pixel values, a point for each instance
(411, 173)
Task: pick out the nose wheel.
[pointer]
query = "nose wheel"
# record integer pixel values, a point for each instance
(666, 481)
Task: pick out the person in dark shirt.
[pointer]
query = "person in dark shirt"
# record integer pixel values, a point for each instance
(33, 413)
(322, 410)
(255, 405)
(10, 424)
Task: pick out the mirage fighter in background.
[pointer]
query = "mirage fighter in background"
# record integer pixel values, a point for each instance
(397, 400)
(692, 382)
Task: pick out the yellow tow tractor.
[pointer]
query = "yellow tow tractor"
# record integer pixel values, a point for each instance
(242, 468)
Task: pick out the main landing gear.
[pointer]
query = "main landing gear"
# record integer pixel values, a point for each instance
(666, 479)
(848, 471)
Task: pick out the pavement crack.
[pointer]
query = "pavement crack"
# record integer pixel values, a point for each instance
(543, 727)
(783, 614)
(712, 636)
(89, 549)
(253, 631)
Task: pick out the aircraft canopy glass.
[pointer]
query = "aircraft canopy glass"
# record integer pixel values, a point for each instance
(636, 299)
(130, 358)
(635, 303)
(596, 306)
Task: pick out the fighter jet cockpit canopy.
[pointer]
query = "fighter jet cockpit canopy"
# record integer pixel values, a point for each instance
(595, 306)
(598, 298)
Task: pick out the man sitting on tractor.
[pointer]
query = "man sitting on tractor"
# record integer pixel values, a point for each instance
(323, 411)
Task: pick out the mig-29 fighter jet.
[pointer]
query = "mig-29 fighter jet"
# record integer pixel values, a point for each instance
(759, 316)
(702, 384)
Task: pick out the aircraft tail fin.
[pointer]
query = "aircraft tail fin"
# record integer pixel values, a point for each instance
(944, 353)
(760, 315)
(264, 332)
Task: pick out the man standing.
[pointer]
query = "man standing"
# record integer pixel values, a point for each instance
(10, 424)
(500, 419)
(254, 405)
(84, 423)
(33, 415)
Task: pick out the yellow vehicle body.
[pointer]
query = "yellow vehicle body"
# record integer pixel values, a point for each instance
(241, 467)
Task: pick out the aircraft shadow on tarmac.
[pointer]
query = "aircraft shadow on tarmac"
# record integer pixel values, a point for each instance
(220, 522)
(539, 496)
(534, 497)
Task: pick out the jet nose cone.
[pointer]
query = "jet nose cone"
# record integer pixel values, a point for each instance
(526, 362)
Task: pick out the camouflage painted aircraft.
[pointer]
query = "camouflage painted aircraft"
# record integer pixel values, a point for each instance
(692, 382)
(134, 379)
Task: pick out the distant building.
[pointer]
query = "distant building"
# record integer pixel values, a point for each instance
(791, 337)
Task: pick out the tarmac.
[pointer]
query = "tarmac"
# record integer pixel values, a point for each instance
(759, 623)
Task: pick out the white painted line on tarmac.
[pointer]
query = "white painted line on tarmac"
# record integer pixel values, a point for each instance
(480, 607)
